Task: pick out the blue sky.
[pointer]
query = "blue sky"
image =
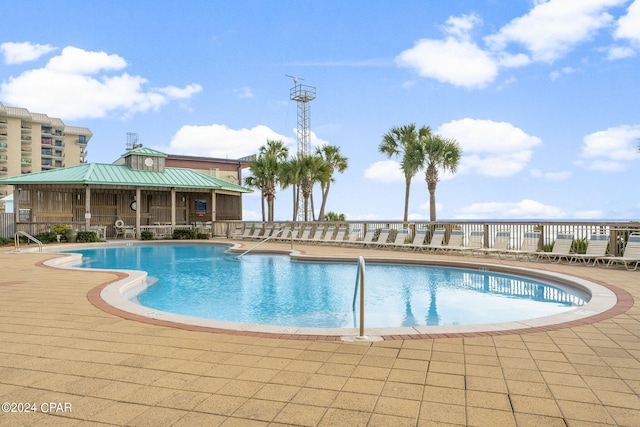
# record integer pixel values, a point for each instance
(543, 96)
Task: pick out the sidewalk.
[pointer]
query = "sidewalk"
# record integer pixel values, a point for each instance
(78, 365)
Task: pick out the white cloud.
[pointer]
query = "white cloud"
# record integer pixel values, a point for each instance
(18, 53)
(456, 60)
(627, 26)
(550, 176)
(248, 215)
(222, 142)
(65, 87)
(553, 28)
(525, 209)
(556, 74)
(609, 150)
(243, 92)
(490, 148)
(385, 171)
(620, 52)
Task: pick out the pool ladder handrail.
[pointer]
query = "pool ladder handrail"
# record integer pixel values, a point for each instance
(16, 240)
(266, 240)
(359, 281)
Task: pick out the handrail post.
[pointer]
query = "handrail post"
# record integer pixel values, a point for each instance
(360, 281)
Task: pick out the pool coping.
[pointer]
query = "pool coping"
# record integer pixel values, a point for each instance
(606, 301)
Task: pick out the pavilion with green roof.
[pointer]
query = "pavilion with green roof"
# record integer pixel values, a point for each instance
(137, 190)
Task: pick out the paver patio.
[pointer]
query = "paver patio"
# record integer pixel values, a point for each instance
(98, 368)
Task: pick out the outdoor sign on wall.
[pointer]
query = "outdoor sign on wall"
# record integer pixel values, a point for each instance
(201, 207)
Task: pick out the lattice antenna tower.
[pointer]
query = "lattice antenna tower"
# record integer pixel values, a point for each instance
(132, 141)
(303, 95)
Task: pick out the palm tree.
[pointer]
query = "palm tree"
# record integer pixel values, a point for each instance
(403, 142)
(290, 175)
(335, 162)
(437, 153)
(266, 171)
(313, 169)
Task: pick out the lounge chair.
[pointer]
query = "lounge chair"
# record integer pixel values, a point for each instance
(418, 240)
(561, 248)
(630, 256)
(437, 240)
(257, 233)
(368, 237)
(500, 244)
(339, 237)
(305, 234)
(381, 241)
(246, 234)
(285, 233)
(529, 246)
(328, 234)
(456, 242)
(475, 245)
(317, 236)
(401, 238)
(596, 248)
(354, 235)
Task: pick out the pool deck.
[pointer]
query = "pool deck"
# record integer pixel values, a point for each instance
(105, 368)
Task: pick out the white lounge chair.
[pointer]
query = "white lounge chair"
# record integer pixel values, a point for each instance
(328, 234)
(596, 248)
(368, 237)
(418, 240)
(475, 245)
(455, 243)
(305, 234)
(381, 241)
(529, 246)
(561, 248)
(630, 256)
(401, 239)
(437, 240)
(339, 237)
(354, 235)
(500, 244)
(317, 236)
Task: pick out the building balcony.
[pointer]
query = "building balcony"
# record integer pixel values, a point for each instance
(3, 146)
(3, 136)
(25, 129)
(26, 162)
(25, 152)
(25, 140)
(3, 171)
(3, 159)
(3, 124)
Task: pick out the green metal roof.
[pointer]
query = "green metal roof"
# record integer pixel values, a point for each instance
(144, 151)
(110, 174)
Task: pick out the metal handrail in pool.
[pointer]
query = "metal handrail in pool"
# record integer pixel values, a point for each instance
(360, 280)
(28, 236)
(265, 240)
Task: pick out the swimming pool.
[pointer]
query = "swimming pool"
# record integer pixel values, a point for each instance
(203, 281)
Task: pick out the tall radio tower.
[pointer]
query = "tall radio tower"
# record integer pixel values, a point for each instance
(303, 95)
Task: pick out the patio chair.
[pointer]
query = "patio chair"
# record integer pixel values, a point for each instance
(437, 240)
(354, 234)
(368, 237)
(381, 241)
(257, 232)
(529, 246)
(285, 233)
(418, 240)
(124, 231)
(305, 234)
(401, 238)
(328, 234)
(630, 256)
(500, 244)
(339, 237)
(561, 248)
(596, 248)
(456, 242)
(317, 236)
(246, 234)
(475, 245)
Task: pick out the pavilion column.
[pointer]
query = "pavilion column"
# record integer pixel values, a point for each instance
(87, 207)
(138, 207)
(213, 205)
(173, 207)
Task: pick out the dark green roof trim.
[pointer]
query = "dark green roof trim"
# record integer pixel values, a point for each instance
(110, 174)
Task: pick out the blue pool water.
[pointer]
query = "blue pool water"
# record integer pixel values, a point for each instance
(203, 281)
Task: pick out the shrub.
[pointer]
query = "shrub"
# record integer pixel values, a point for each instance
(48, 237)
(87, 237)
(202, 236)
(146, 235)
(184, 234)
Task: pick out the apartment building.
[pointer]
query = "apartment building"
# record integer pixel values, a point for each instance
(34, 142)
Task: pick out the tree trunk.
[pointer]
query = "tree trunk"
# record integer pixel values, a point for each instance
(325, 195)
(407, 189)
(432, 204)
(262, 200)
